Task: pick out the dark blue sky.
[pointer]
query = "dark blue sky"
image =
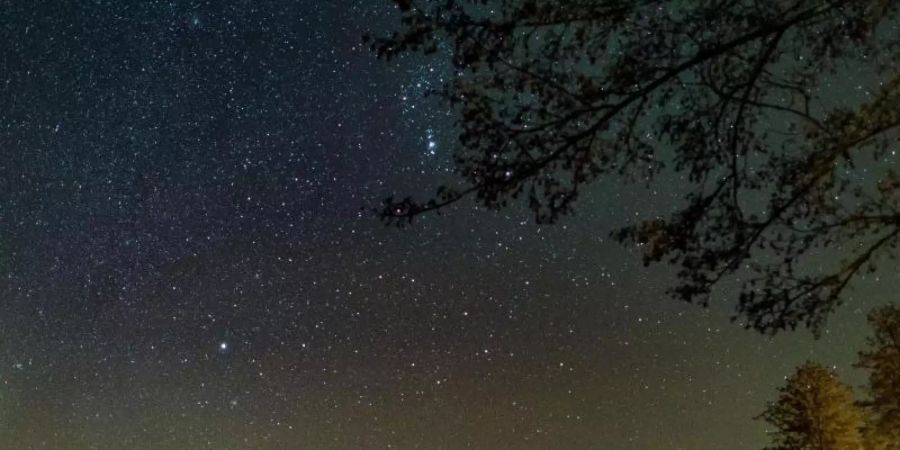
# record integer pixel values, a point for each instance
(189, 259)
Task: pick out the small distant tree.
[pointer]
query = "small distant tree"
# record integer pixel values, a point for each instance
(882, 360)
(815, 411)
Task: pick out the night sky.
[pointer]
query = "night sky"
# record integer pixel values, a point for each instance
(189, 258)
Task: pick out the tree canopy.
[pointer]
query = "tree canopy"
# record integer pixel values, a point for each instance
(882, 360)
(815, 411)
(738, 99)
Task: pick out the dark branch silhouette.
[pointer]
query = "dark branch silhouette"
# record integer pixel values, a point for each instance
(731, 96)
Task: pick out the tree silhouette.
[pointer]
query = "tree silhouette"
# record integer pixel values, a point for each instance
(730, 97)
(815, 411)
(882, 360)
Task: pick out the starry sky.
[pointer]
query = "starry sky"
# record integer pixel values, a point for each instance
(188, 258)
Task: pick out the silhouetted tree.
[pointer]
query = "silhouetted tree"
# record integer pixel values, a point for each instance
(882, 360)
(735, 97)
(815, 411)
